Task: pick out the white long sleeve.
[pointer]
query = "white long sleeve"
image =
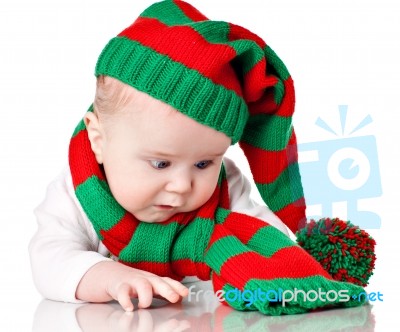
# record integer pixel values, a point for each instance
(66, 246)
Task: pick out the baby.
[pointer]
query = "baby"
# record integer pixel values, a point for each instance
(174, 91)
(158, 162)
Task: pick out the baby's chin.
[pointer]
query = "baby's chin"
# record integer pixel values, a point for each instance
(154, 219)
(161, 214)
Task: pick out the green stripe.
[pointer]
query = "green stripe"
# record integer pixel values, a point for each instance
(222, 175)
(267, 295)
(97, 192)
(268, 132)
(222, 250)
(215, 32)
(285, 190)
(279, 92)
(143, 247)
(155, 74)
(221, 214)
(193, 240)
(171, 15)
(168, 13)
(276, 63)
(248, 54)
(268, 240)
(80, 127)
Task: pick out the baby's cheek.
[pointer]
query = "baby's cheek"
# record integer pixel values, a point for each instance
(123, 191)
(205, 192)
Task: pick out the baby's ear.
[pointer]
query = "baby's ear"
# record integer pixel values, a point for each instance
(95, 134)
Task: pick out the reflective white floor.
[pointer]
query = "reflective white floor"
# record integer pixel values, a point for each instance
(203, 314)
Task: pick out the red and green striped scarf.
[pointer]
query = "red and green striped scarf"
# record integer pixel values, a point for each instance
(236, 251)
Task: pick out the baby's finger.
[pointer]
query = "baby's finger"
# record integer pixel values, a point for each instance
(177, 286)
(123, 297)
(163, 288)
(145, 292)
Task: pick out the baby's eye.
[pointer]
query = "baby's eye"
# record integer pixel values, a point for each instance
(203, 164)
(159, 164)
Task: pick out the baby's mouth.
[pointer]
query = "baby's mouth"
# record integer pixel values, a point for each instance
(165, 207)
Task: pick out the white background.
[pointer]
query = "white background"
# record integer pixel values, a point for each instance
(338, 52)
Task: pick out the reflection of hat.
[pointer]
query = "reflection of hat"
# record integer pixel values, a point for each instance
(222, 76)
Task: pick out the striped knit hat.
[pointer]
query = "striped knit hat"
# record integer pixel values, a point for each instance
(225, 77)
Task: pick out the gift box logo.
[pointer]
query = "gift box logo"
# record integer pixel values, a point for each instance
(343, 170)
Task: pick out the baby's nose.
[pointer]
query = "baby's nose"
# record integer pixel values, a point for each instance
(180, 183)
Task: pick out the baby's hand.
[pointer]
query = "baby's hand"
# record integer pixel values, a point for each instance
(121, 283)
(129, 282)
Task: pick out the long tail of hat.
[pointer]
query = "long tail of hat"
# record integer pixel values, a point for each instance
(269, 140)
(269, 143)
(259, 268)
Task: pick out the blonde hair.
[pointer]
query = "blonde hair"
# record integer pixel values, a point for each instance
(111, 98)
(111, 95)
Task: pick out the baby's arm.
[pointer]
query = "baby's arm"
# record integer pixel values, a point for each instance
(69, 263)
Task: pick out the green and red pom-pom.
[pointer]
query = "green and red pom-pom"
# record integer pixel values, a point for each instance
(343, 249)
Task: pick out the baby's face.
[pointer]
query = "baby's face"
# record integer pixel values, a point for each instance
(159, 162)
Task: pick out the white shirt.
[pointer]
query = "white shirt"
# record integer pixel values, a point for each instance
(66, 246)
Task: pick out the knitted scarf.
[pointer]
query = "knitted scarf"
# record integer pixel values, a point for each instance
(243, 256)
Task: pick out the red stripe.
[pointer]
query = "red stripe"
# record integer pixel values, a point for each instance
(224, 200)
(257, 82)
(219, 232)
(287, 106)
(237, 32)
(186, 267)
(217, 281)
(266, 166)
(287, 263)
(243, 226)
(118, 237)
(267, 103)
(185, 45)
(80, 153)
(191, 12)
(207, 211)
(181, 218)
(293, 215)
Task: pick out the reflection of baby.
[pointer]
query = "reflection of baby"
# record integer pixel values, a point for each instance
(147, 168)
(177, 317)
